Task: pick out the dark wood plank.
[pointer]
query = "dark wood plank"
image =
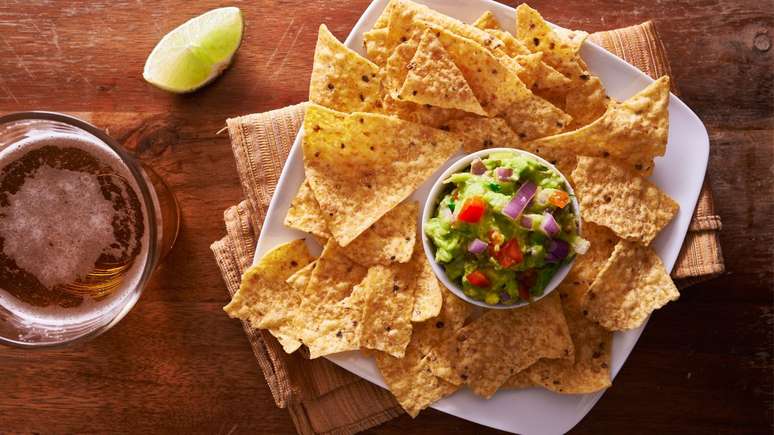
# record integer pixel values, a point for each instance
(176, 363)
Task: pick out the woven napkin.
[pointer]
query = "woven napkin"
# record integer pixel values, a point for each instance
(321, 397)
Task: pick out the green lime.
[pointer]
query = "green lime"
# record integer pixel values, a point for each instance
(196, 52)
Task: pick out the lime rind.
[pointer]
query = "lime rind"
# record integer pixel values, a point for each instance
(196, 52)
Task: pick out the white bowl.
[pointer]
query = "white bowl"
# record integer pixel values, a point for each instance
(431, 205)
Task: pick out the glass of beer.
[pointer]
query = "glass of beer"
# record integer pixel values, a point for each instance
(82, 227)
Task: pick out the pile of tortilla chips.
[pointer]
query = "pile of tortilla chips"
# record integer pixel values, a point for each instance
(380, 125)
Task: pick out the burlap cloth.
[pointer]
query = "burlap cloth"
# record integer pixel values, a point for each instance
(321, 397)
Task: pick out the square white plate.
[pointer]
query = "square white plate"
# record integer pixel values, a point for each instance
(679, 173)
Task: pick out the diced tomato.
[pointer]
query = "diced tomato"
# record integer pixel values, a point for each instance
(559, 198)
(472, 210)
(478, 279)
(524, 292)
(510, 254)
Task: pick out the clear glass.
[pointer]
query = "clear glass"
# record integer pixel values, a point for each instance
(162, 222)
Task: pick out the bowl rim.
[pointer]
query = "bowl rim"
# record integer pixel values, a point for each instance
(432, 201)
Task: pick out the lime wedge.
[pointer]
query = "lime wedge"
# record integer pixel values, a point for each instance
(195, 53)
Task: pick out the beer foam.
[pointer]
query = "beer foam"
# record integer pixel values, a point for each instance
(57, 225)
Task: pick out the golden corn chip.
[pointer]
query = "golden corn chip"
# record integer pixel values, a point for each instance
(411, 381)
(389, 240)
(486, 21)
(374, 42)
(634, 131)
(384, 19)
(502, 343)
(520, 380)
(480, 133)
(428, 298)
(632, 285)
(615, 197)
(342, 79)
(548, 78)
(264, 298)
(387, 304)
(586, 102)
(300, 278)
(410, 378)
(434, 79)
(602, 241)
(559, 46)
(304, 213)
(589, 370)
(331, 307)
(361, 165)
(408, 20)
(533, 117)
(528, 68)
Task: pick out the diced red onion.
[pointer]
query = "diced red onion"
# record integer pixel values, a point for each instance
(519, 202)
(504, 174)
(477, 246)
(549, 226)
(504, 297)
(447, 214)
(557, 251)
(526, 222)
(477, 167)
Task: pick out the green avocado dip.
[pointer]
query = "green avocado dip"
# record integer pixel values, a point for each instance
(503, 227)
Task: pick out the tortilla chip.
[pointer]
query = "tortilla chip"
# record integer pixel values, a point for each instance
(304, 213)
(387, 305)
(533, 117)
(613, 196)
(520, 380)
(361, 165)
(410, 378)
(389, 240)
(602, 241)
(589, 370)
(342, 79)
(412, 382)
(634, 131)
(264, 298)
(632, 285)
(300, 279)
(501, 343)
(375, 48)
(548, 78)
(559, 46)
(408, 20)
(434, 79)
(427, 290)
(526, 67)
(486, 21)
(331, 308)
(480, 133)
(587, 102)
(384, 18)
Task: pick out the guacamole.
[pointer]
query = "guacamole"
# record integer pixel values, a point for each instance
(503, 227)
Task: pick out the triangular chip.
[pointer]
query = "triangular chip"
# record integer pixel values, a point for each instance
(589, 370)
(409, 378)
(586, 102)
(300, 278)
(434, 79)
(264, 298)
(528, 68)
(501, 343)
(559, 46)
(387, 304)
(331, 307)
(374, 42)
(487, 20)
(408, 20)
(634, 131)
(304, 213)
(617, 198)
(342, 79)
(361, 165)
(389, 240)
(427, 290)
(481, 133)
(632, 285)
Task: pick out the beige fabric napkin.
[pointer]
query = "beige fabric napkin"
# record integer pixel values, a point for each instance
(321, 397)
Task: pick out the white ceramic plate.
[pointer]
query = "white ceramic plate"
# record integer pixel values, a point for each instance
(679, 173)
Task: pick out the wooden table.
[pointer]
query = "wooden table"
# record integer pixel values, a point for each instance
(177, 363)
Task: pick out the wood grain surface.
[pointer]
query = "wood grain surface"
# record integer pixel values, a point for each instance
(176, 363)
